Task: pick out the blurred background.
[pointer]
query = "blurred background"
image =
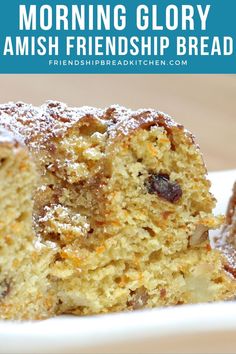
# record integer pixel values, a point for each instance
(205, 104)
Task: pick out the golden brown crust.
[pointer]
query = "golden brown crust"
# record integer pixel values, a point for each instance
(36, 126)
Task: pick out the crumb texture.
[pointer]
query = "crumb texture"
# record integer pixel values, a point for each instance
(103, 210)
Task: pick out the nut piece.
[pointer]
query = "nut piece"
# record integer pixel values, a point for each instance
(161, 185)
(231, 270)
(139, 298)
(200, 235)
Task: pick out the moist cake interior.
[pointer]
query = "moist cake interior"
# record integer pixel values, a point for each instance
(121, 211)
(24, 262)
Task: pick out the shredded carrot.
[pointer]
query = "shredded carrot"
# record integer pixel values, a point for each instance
(72, 256)
(23, 167)
(163, 140)
(8, 240)
(100, 249)
(124, 280)
(208, 247)
(152, 149)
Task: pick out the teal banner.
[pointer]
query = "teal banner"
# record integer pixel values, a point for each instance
(155, 36)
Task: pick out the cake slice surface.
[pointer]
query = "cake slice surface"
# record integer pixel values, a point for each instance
(25, 291)
(122, 208)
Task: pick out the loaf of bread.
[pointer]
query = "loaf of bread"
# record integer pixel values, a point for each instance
(227, 240)
(101, 211)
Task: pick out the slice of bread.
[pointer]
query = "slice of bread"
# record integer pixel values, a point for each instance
(117, 203)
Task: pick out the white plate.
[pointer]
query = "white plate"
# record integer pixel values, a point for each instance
(204, 328)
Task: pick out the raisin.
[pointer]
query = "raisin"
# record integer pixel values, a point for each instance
(161, 185)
